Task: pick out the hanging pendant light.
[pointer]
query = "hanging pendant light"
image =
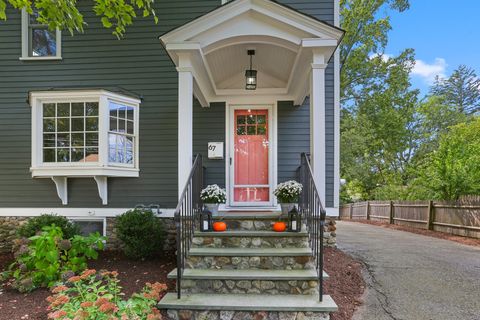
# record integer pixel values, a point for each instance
(250, 74)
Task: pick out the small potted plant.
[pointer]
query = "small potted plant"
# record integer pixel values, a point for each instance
(288, 194)
(212, 196)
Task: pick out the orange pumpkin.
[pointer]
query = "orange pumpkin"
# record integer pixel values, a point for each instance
(279, 226)
(219, 226)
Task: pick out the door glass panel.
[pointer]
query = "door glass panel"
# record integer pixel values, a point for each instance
(251, 143)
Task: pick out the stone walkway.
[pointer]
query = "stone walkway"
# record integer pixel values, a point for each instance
(413, 277)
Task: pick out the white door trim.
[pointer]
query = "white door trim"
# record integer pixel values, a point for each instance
(229, 164)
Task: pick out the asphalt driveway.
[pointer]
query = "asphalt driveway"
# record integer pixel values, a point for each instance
(413, 277)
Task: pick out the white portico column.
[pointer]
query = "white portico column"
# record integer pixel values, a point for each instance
(185, 119)
(317, 121)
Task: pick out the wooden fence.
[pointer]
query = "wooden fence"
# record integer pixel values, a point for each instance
(459, 218)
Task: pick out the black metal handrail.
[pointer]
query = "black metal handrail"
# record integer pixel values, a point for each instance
(188, 209)
(314, 216)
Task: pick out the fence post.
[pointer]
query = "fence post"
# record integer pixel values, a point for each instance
(391, 213)
(351, 211)
(431, 215)
(368, 210)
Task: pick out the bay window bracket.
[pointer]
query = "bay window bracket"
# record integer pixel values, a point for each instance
(62, 188)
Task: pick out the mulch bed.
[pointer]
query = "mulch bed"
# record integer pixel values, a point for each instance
(345, 284)
(430, 233)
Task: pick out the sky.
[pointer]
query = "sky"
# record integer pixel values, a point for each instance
(444, 34)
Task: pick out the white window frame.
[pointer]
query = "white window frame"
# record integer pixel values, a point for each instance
(26, 39)
(59, 172)
(92, 219)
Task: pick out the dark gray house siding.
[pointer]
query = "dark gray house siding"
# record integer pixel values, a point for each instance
(139, 65)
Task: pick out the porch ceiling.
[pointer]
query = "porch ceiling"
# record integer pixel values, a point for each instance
(214, 47)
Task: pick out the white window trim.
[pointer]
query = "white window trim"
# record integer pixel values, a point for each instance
(25, 42)
(92, 219)
(101, 170)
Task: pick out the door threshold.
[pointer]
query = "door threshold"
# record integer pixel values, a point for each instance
(273, 209)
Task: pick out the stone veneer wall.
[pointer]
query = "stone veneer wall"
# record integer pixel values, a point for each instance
(9, 225)
(242, 315)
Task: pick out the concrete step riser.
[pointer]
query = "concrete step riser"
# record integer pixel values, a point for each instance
(250, 286)
(253, 262)
(250, 242)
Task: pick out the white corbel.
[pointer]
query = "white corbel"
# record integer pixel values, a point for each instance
(62, 188)
(102, 185)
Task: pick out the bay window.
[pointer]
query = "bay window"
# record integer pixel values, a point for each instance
(84, 134)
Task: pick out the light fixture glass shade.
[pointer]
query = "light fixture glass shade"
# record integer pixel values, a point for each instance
(251, 79)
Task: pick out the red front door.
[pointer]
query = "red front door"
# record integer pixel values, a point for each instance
(251, 152)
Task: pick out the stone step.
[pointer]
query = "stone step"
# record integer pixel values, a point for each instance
(250, 252)
(247, 274)
(244, 306)
(250, 239)
(248, 281)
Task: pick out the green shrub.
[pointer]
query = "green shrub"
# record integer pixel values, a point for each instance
(141, 232)
(98, 296)
(35, 225)
(41, 260)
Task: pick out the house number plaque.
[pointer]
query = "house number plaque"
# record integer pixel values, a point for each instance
(215, 150)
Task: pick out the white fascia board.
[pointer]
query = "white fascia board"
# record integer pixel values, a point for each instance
(315, 42)
(70, 94)
(75, 212)
(267, 8)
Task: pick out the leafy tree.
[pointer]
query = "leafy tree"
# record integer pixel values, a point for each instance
(65, 15)
(461, 90)
(454, 169)
(366, 34)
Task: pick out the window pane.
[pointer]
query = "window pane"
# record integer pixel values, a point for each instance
(251, 130)
(130, 113)
(77, 124)
(78, 109)
(91, 139)
(78, 154)
(63, 109)
(49, 110)
(48, 155)
(44, 42)
(49, 140)
(63, 155)
(121, 125)
(63, 125)
(92, 124)
(113, 124)
(129, 150)
(48, 125)
(91, 108)
(240, 119)
(91, 154)
(241, 131)
(261, 130)
(130, 127)
(261, 119)
(251, 119)
(78, 139)
(63, 140)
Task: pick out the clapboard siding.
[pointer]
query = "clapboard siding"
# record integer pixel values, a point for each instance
(209, 126)
(136, 64)
(290, 147)
(96, 59)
